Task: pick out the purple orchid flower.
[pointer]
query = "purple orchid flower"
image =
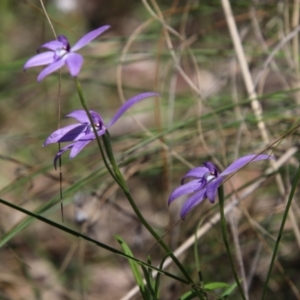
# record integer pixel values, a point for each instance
(207, 181)
(81, 134)
(62, 53)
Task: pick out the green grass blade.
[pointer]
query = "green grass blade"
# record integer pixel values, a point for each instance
(134, 267)
(280, 233)
(79, 235)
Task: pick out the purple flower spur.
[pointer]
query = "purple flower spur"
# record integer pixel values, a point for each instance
(81, 134)
(61, 53)
(207, 181)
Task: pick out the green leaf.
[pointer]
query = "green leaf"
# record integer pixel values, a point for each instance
(229, 290)
(134, 266)
(216, 285)
(150, 294)
(188, 296)
(156, 287)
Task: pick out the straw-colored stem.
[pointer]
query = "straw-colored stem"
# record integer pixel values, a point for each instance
(256, 107)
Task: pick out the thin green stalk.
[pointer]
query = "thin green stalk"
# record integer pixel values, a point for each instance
(118, 177)
(124, 187)
(197, 260)
(225, 239)
(280, 233)
(84, 105)
(111, 157)
(84, 237)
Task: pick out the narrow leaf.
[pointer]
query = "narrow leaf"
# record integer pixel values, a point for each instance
(133, 265)
(215, 285)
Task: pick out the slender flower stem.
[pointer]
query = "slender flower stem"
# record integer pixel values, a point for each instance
(124, 187)
(280, 233)
(84, 105)
(110, 155)
(118, 177)
(225, 239)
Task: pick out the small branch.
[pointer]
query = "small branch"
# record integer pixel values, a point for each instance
(256, 107)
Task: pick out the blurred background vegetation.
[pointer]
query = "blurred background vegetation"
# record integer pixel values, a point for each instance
(204, 114)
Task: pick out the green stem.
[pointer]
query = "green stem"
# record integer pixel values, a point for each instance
(197, 262)
(225, 239)
(124, 187)
(118, 177)
(84, 105)
(280, 233)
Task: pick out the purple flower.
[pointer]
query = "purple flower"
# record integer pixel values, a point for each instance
(62, 53)
(207, 181)
(81, 134)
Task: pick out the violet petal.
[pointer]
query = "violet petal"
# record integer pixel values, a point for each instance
(187, 188)
(212, 189)
(191, 202)
(89, 37)
(97, 119)
(50, 69)
(241, 162)
(59, 153)
(52, 45)
(129, 103)
(66, 134)
(197, 172)
(211, 167)
(80, 115)
(77, 147)
(41, 59)
(74, 62)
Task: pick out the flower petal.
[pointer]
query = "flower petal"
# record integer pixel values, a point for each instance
(128, 104)
(212, 189)
(187, 188)
(191, 202)
(77, 147)
(80, 115)
(91, 136)
(69, 133)
(74, 62)
(50, 69)
(212, 168)
(196, 172)
(52, 45)
(64, 41)
(41, 59)
(89, 37)
(241, 162)
(59, 153)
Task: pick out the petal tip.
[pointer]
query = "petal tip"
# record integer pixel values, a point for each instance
(40, 78)
(183, 215)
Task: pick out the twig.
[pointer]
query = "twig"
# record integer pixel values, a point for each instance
(256, 107)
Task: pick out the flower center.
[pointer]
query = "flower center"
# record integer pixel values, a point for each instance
(98, 126)
(59, 53)
(209, 176)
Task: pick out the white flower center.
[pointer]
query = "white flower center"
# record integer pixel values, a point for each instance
(97, 127)
(209, 177)
(59, 53)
